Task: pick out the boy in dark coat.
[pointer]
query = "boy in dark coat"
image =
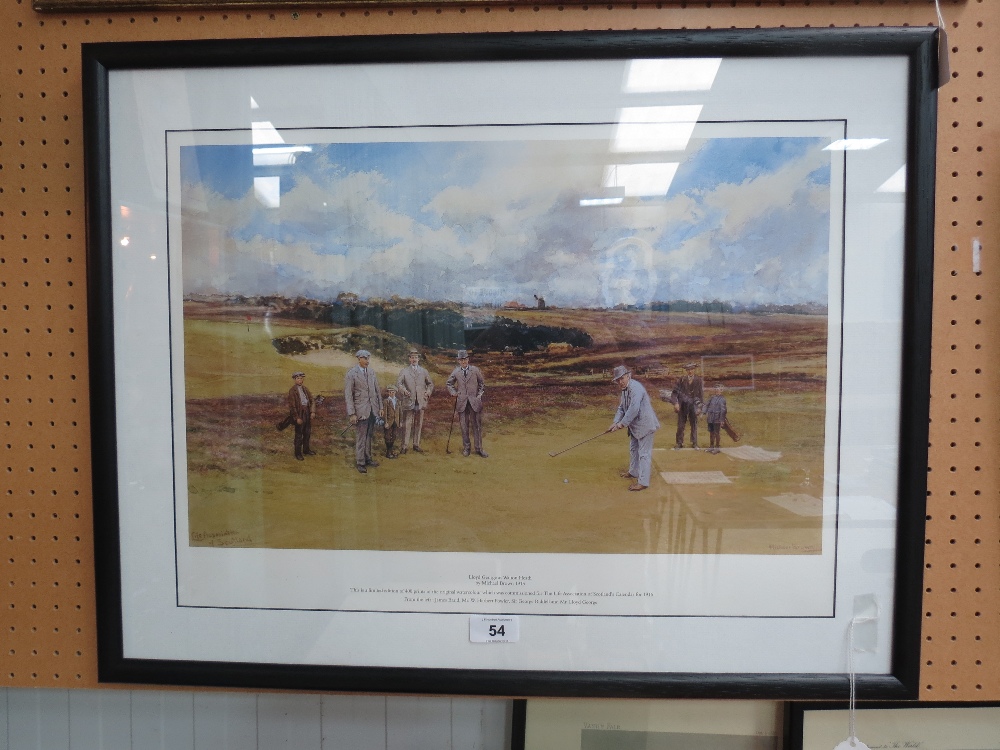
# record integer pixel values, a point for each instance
(715, 411)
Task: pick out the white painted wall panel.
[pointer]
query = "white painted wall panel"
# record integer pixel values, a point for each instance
(100, 720)
(479, 724)
(3, 719)
(288, 722)
(354, 722)
(418, 723)
(38, 719)
(162, 720)
(49, 719)
(225, 721)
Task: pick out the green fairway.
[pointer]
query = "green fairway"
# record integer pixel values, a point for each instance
(246, 489)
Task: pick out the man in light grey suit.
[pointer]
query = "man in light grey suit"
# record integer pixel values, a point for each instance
(364, 406)
(415, 384)
(635, 412)
(467, 386)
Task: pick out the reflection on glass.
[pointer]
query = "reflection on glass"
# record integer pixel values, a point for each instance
(668, 128)
(267, 190)
(271, 150)
(271, 156)
(679, 74)
(896, 183)
(608, 196)
(264, 132)
(855, 144)
(641, 180)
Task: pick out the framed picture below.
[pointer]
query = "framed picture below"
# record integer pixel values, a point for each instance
(581, 364)
(553, 724)
(929, 726)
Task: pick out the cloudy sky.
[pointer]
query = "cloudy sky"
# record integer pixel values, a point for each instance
(745, 220)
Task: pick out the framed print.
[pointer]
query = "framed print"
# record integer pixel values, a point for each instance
(574, 724)
(523, 364)
(932, 726)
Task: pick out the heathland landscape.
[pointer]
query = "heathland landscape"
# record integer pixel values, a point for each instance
(714, 250)
(759, 496)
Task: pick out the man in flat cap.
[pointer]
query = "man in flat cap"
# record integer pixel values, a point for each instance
(415, 385)
(687, 398)
(635, 413)
(301, 411)
(466, 384)
(364, 406)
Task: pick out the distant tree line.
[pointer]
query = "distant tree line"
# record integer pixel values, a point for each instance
(435, 325)
(504, 333)
(718, 306)
(685, 305)
(387, 346)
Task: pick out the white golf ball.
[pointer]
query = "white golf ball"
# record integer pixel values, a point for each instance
(565, 481)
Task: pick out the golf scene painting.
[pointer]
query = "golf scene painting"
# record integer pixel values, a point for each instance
(510, 340)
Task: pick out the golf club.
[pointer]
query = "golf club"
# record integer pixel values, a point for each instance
(580, 443)
(447, 447)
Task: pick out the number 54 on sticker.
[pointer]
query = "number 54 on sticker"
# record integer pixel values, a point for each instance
(494, 629)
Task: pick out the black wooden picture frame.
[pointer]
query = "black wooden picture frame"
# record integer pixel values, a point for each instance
(132, 649)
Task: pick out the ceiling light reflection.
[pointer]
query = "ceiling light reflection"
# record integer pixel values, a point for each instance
(641, 180)
(895, 184)
(601, 201)
(609, 195)
(677, 74)
(642, 129)
(267, 190)
(264, 132)
(855, 144)
(269, 156)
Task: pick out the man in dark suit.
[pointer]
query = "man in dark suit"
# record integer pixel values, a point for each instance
(364, 405)
(466, 384)
(687, 397)
(301, 411)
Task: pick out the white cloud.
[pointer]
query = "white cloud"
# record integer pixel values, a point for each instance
(518, 228)
(761, 195)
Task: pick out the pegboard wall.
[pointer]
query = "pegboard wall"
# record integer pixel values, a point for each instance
(47, 611)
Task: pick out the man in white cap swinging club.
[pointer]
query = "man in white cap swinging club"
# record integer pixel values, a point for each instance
(635, 413)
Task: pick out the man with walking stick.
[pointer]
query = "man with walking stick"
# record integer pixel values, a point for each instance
(364, 406)
(451, 426)
(466, 384)
(635, 413)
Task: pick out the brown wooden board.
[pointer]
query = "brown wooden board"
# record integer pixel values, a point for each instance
(45, 518)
